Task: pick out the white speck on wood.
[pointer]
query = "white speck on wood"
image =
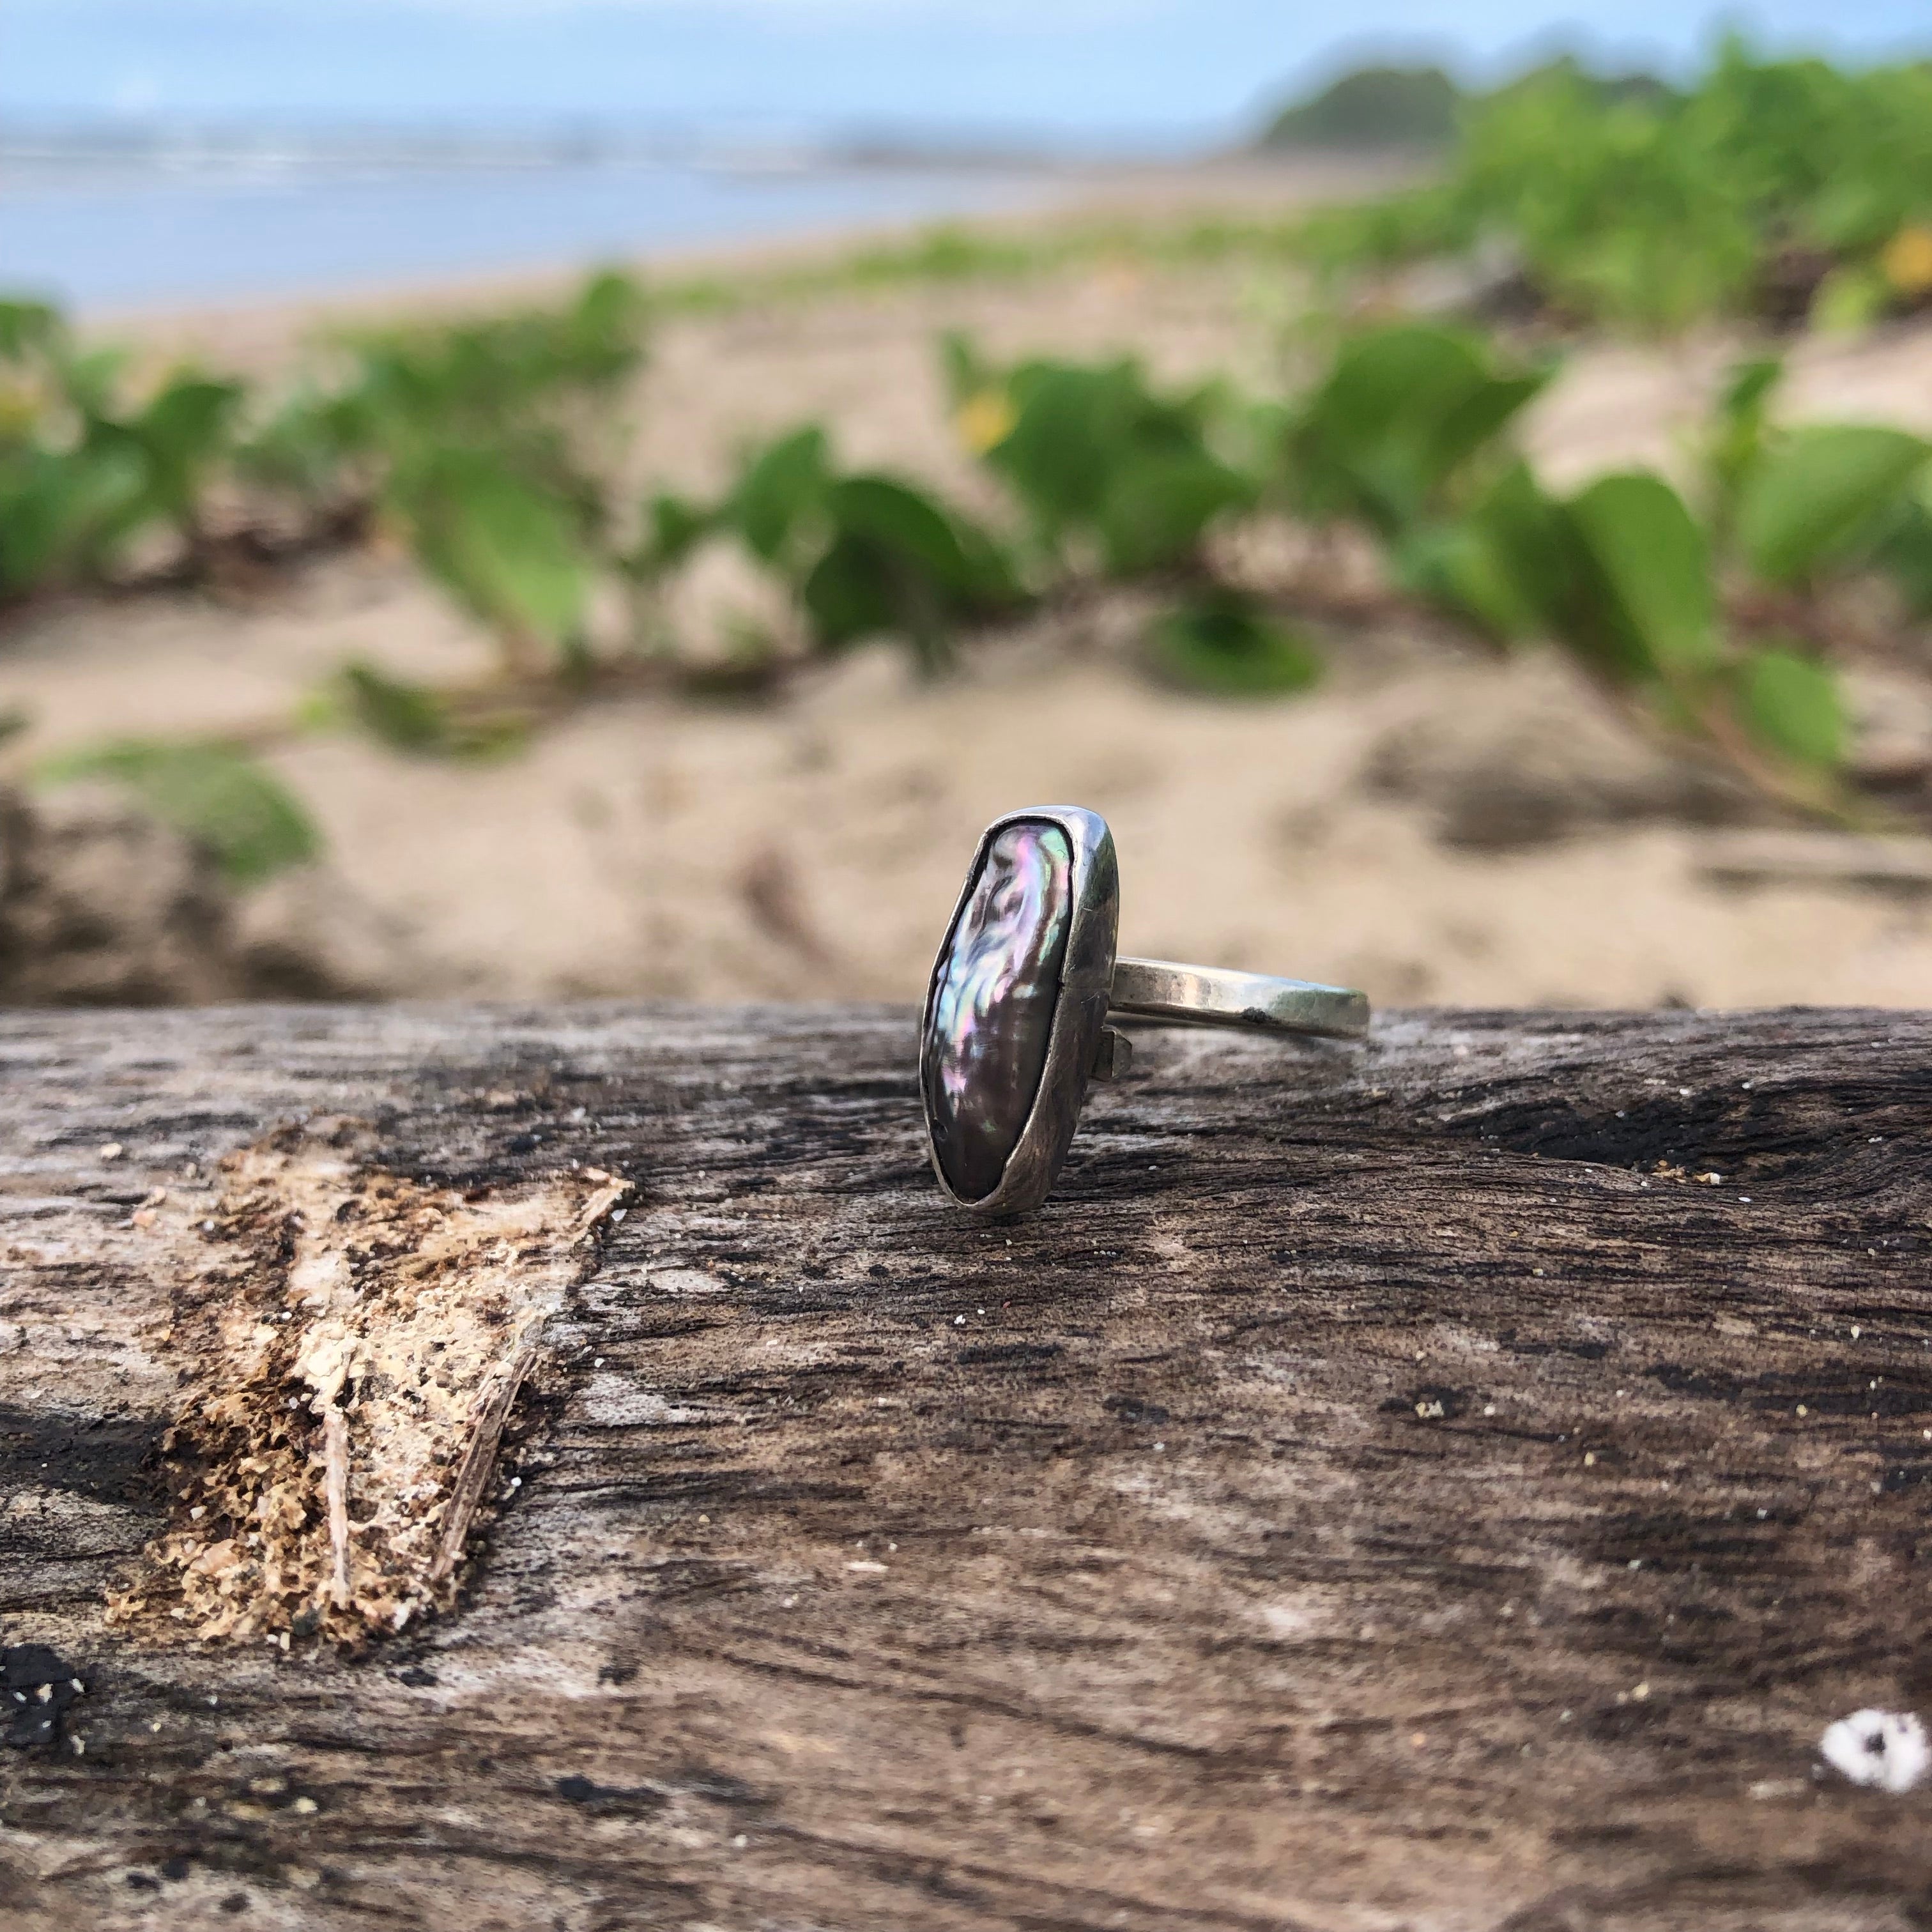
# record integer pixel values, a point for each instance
(1887, 1749)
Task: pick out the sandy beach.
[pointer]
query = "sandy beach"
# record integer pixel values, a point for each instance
(810, 847)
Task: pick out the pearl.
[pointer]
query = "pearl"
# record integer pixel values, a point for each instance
(994, 993)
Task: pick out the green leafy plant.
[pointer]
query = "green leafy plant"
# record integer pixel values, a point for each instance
(417, 719)
(1821, 496)
(84, 469)
(535, 384)
(863, 555)
(405, 716)
(1224, 644)
(1711, 613)
(1790, 701)
(217, 795)
(1800, 507)
(1770, 188)
(1401, 418)
(492, 447)
(28, 328)
(1903, 546)
(182, 434)
(62, 512)
(1734, 443)
(1625, 575)
(1108, 470)
(1116, 478)
(495, 450)
(897, 562)
(509, 550)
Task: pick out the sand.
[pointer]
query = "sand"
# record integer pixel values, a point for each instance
(811, 847)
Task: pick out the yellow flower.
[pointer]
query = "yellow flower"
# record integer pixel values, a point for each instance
(22, 408)
(1907, 260)
(984, 420)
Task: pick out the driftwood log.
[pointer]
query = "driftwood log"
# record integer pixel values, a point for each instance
(1450, 1483)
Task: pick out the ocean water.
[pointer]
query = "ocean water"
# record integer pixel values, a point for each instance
(105, 240)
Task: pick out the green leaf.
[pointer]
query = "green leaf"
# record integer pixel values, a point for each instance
(1227, 646)
(29, 328)
(1156, 512)
(605, 326)
(184, 422)
(899, 562)
(857, 590)
(1749, 387)
(1094, 453)
(779, 492)
(217, 796)
(1509, 564)
(1648, 607)
(62, 512)
(1904, 552)
(1736, 446)
(1538, 553)
(1629, 200)
(406, 717)
(1820, 493)
(1069, 424)
(66, 511)
(1791, 703)
(1403, 410)
(1851, 299)
(505, 546)
(866, 555)
(966, 371)
(412, 718)
(182, 433)
(510, 380)
(964, 562)
(91, 378)
(1458, 568)
(310, 446)
(903, 520)
(674, 527)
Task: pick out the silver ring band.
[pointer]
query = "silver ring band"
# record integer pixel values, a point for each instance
(1157, 989)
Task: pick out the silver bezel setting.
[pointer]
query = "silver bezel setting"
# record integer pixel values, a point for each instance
(1079, 1011)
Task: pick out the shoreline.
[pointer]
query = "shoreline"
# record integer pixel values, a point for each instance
(257, 333)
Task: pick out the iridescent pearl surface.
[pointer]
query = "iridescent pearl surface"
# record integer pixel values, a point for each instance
(993, 1003)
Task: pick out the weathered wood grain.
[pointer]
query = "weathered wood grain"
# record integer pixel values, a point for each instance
(1385, 1489)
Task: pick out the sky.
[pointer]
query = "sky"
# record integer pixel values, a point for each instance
(1165, 72)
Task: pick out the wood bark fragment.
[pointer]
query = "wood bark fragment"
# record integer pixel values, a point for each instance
(479, 1459)
(335, 1452)
(1451, 1483)
(331, 1299)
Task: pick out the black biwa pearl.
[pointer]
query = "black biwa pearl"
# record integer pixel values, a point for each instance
(994, 993)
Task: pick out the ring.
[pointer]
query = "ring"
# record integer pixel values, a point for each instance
(1016, 1019)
